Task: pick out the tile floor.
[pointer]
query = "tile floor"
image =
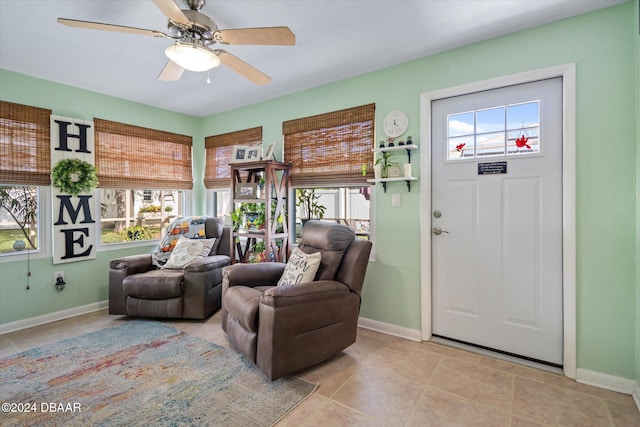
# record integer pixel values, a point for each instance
(387, 381)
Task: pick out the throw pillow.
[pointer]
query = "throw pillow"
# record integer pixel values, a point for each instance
(190, 226)
(301, 268)
(187, 251)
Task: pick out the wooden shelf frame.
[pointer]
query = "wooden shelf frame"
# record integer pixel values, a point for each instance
(276, 188)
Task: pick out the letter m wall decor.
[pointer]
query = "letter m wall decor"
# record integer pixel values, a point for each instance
(74, 227)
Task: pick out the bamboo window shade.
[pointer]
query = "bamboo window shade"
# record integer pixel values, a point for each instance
(219, 149)
(330, 148)
(135, 157)
(24, 144)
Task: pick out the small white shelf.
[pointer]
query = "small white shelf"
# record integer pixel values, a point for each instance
(395, 179)
(384, 181)
(395, 148)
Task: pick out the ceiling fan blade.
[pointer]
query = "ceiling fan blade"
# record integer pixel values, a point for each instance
(258, 36)
(110, 27)
(171, 11)
(171, 72)
(242, 68)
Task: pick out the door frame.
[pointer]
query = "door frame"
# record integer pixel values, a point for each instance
(568, 74)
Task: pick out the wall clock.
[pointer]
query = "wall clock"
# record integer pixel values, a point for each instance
(395, 124)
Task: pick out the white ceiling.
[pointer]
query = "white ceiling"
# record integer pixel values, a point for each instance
(334, 40)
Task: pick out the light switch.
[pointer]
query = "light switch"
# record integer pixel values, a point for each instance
(395, 200)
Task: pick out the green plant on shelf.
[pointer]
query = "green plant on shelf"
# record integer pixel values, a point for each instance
(384, 162)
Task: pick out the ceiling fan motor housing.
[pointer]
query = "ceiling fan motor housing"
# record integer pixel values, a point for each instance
(200, 27)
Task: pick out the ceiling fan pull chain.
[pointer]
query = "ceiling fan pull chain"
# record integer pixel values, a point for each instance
(209, 77)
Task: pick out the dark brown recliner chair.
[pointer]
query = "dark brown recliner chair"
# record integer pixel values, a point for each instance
(138, 288)
(284, 329)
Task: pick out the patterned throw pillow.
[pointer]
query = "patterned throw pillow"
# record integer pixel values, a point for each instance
(301, 268)
(187, 251)
(189, 226)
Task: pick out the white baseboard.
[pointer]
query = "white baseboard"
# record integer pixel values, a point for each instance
(389, 329)
(636, 394)
(608, 382)
(51, 317)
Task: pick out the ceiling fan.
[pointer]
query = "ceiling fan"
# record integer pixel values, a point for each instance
(192, 32)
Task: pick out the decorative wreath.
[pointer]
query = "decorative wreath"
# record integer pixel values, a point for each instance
(74, 176)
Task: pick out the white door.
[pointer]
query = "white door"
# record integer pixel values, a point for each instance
(497, 219)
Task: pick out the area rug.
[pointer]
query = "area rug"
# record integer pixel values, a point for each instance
(141, 373)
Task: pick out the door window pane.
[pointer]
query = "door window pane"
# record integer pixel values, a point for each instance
(490, 120)
(512, 129)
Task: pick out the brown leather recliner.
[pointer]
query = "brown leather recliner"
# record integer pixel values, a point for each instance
(138, 288)
(284, 329)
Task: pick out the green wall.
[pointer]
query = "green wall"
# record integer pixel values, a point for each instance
(604, 47)
(86, 280)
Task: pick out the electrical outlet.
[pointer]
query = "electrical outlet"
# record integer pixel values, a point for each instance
(59, 282)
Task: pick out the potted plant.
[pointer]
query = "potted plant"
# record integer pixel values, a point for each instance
(308, 200)
(259, 251)
(254, 215)
(384, 162)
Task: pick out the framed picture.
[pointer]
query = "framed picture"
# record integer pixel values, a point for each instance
(254, 154)
(246, 190)
(269, 153)
(240, 154)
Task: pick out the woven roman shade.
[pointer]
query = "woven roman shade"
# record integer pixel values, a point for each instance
(330, 149)
(134, 157)
(25, 153)
(219, 149)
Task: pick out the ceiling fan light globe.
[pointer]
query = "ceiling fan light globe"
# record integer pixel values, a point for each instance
(192, 57)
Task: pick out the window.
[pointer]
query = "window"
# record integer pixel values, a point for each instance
(144, 176)
(219, 149)
(25, 166)
(18, 218)
(497, 131)
(331, 161)
(129, 214)
(344, 205)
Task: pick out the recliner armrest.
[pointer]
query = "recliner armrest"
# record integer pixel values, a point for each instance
(132, 264)
(207, 263)
(259, 274)
(303, 293)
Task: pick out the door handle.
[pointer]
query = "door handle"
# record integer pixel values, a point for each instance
(438, 231)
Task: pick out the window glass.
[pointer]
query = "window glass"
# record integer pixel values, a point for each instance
(134, 215)
(344, 205)
(497, 131)
(461, 124)
(18, 219)
(220, 203)
(490, 120)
